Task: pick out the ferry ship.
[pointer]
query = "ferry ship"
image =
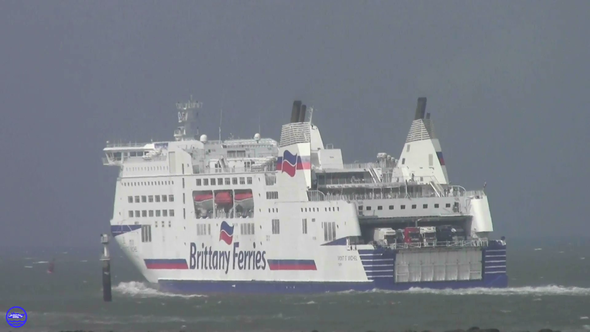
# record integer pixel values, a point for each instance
(256, 216)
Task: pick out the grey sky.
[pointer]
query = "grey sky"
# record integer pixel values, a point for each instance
(507, 85)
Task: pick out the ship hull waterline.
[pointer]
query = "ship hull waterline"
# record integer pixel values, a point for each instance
(296, 287)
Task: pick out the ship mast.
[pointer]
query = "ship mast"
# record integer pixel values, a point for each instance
(187, 114)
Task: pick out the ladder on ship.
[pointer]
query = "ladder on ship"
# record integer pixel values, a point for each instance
(376, 178)
(438, 189)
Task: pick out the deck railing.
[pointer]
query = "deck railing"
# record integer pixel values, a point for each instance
(436, 244)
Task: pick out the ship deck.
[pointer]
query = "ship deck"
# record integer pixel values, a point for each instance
(423, 221)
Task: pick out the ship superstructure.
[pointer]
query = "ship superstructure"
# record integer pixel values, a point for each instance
(256, 215)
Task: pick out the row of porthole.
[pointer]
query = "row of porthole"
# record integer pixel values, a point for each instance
(403, 207)
(163, 224)
(153, 168)
(147, 183)
(326, 209)
(151, 198)
(150, 213)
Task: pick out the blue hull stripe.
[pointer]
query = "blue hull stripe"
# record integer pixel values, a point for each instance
(122, 229)
(337, 242)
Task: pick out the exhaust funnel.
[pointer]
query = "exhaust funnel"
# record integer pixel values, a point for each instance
(420, 108)
(295, 111)
(302, 113)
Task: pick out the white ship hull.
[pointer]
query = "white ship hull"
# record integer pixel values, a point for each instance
(247, 216)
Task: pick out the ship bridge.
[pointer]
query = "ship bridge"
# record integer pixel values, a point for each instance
(118, 153)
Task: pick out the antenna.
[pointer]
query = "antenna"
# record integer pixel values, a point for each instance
(259, 121)
(220, 121)
(221, 113)
(310, 115)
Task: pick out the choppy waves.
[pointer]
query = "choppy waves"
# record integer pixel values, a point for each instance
(551, 290)
(144, 290)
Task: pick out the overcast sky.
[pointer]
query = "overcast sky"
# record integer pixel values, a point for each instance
(507, 84)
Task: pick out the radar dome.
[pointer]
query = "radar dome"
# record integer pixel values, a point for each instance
(203, 138)
(257, 137)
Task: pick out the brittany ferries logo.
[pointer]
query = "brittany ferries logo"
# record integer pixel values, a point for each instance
(209, 259)
(290, 163)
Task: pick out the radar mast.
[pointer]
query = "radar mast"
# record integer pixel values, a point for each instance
(187, 114)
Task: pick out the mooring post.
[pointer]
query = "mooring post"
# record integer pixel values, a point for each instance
(106, 269)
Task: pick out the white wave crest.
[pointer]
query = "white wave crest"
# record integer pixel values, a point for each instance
(144, 290)
(550, 290)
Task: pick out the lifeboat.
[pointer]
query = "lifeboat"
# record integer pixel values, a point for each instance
(244, 200)
(204, 200)
(223, 198)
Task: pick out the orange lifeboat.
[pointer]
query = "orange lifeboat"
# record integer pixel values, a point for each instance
(223, 198)
(244, 200)
(243, 196)
(203, 197)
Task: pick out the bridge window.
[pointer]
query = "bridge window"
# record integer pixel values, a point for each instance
(403, 207)
(136, 199)
(436, 206)
(151, 213)
(234, 181)
(157, 198)
(137, 214)
(130, 214)
(368, 208)
(164, 198)
(425, 206)
(146, 233)
(171, 213)
(272, 195)
(130, 199)
(198, 182)
(379, 208)
(164, 213)
(144, 213)
(150, 198)
(391, 207)
(276, 226)
(448, 205)
(227, 181)
(242, 181)
(249, 180)
(413, 206)
(171, 198)
(158, 213)
(212, 181)
(205, 182)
